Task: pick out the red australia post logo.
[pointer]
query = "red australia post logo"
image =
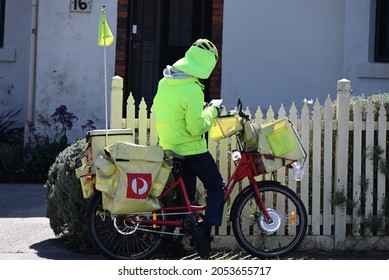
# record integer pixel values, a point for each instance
(138, 185)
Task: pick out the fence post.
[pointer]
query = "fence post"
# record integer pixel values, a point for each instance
(116, 102)
(341, 161)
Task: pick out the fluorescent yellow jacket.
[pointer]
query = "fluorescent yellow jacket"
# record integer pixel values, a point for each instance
(181, 119)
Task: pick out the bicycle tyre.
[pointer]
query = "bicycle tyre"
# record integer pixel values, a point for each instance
(115, 239)
(264, 240)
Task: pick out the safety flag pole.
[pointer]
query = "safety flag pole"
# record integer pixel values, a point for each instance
(105, 38)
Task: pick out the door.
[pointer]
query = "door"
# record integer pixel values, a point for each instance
(160, 33)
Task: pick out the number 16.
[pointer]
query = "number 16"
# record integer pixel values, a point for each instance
(79, 4)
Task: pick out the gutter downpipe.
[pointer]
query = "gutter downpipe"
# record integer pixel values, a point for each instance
(31, 84)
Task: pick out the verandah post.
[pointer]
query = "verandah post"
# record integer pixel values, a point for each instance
(341, 160)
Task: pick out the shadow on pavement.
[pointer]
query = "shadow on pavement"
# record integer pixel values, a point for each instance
(55, 249)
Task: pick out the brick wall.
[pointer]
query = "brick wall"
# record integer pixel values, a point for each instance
(217, 39)
(121, 38)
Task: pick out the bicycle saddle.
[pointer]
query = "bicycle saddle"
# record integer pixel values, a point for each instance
(173, 155)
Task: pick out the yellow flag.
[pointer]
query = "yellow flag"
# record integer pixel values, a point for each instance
(104, 32)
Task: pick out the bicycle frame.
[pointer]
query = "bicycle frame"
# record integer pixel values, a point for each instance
(245, 168)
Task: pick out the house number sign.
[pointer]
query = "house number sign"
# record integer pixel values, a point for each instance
(82, 6)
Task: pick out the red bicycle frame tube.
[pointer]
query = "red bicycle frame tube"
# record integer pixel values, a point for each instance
(247, 167)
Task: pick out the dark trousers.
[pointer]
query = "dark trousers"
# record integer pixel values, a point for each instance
(204, 167)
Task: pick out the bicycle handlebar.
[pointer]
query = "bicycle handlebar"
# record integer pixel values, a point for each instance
(239, 107)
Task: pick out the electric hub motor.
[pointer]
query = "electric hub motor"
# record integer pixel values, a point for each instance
(272, 227)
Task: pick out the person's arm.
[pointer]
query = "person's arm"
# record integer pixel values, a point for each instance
(198, 120)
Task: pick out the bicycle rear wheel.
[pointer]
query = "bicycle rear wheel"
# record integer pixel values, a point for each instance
(269, 240)
(118, 236)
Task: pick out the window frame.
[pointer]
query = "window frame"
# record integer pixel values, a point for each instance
(381, 40)
(2, 20)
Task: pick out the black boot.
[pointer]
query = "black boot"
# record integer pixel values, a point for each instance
(200, 231)
(202, 239)
(207, 230)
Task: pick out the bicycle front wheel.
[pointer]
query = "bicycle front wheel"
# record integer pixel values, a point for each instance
(119, 236)
(261, 238)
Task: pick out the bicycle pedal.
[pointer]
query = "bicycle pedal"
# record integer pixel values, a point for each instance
(178, 231)
(193, 220)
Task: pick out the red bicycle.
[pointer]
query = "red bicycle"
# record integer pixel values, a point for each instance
(268, 219)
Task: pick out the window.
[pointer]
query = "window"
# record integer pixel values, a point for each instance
(2, 15)
(381, 51)
(180, 23)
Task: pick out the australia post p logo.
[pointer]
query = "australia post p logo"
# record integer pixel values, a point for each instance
(138, 185)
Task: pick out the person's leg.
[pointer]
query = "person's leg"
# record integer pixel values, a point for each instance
(190, 180)
(205, 168)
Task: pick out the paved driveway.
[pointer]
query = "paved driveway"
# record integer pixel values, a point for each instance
(25, 232)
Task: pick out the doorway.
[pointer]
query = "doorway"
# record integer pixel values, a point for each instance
(160, 33)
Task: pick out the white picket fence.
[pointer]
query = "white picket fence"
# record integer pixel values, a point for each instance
(336, 147)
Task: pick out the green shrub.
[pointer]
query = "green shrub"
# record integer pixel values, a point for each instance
(40, 158)
(11, 130)
(65, 203)
(11, 146)
(30, 162)
(376, 100)
(11, 161)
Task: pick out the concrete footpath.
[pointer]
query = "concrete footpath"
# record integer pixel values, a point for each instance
(25, 232)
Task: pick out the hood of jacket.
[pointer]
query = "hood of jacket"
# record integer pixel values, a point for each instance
(175, 76)
(197, 62)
